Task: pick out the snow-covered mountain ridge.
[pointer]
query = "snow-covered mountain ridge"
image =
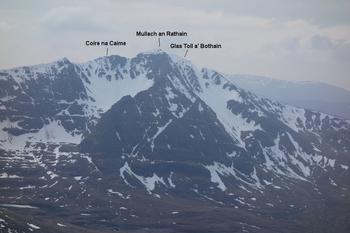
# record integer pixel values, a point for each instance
(159, 126)
(93, 87)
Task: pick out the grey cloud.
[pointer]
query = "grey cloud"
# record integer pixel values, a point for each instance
(4, 26)
(321, 12)
(342, 52)
(71, 18)
(292, 43)
(271, 37)
(339, 49)
(321, 43)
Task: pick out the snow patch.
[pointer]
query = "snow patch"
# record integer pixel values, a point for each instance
(149, 182)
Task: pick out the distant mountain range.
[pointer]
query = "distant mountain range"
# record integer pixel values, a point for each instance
(155, 144)
(312, 95)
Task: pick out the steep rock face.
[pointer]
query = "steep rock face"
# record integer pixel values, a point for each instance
(197, 120)
(33, 96)
(165, 146)
(61, 100)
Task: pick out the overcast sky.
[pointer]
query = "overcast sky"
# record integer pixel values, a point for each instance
(292, 39)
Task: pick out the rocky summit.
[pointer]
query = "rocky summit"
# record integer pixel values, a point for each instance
(155, 144)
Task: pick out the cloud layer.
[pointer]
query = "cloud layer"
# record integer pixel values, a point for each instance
(294, 40)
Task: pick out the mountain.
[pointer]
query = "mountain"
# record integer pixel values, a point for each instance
(155, 144)
(311, 95)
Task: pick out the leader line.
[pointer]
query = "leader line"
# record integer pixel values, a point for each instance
(186, 53)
